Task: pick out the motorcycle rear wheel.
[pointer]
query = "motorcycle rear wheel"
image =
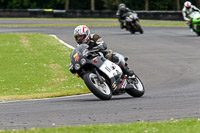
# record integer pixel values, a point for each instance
(138, 90)
(102, 91)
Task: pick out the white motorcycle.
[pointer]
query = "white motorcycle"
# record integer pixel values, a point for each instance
(103, 77)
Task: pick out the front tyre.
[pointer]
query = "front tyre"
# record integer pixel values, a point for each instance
(138, 89)
(198, 33)
(102, 91)
(139, 28)
(132, 31)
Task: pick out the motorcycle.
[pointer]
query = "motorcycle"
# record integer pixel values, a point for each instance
(195, 17)
(132, 23)
(103, 77)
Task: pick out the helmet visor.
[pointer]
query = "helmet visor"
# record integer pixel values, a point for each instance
(188, 7)
(122, 8)
(79, 38)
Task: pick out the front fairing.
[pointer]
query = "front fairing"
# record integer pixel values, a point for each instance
(76, 57)
(196, 21)
(78, 53)
(195, 16)
(131, 16)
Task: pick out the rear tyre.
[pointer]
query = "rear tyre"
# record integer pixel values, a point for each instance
(131, 28)
(138, 90)
(102, 91)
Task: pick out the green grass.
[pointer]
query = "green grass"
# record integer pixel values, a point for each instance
(165, 24)
(94, 24)
(86, 19)
(35, 66)
(109, 22)
(62, 25)
(182, 126)
(92, 19)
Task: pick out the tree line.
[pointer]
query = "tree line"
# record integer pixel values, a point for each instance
(95, 4)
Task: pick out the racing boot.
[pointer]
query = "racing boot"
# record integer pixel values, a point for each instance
(122, 25)
(191, 27)
(126, 70)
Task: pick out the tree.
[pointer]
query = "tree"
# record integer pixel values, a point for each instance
(146, 5)
(92, 5)
(198, 3)
(67, 5)
(177, 5)
(111, 4)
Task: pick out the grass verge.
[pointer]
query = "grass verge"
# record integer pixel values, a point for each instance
(94, 24)
(88, 21)
(35, 66)
(181, 126)
(80, 19)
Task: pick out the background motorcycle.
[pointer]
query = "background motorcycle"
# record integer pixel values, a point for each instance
(132, 23)
(195, 17)
(103, 77)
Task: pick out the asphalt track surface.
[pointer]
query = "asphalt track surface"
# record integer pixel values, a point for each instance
(167, 59)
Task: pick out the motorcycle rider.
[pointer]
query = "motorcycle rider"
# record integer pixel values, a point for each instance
(187, 10)
(121, 13)
(82, 36)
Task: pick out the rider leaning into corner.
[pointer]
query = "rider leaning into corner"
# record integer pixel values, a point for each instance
(82, 36)
(187, 10)
(121, 13)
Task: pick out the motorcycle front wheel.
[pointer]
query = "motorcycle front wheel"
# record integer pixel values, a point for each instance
(138, 89)
(102, 91)
(139, 28)
(198, 33)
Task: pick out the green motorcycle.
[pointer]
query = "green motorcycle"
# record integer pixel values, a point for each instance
(195, 17)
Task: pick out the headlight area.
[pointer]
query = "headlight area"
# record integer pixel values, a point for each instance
(83, 61)
(80, 64)
(77, 66)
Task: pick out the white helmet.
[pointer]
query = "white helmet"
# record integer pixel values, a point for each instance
(122, 6)
(82, 34)
(187, 4)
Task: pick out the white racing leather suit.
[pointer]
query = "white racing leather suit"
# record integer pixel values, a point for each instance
(186, 12)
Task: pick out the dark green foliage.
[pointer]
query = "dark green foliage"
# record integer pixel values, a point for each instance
(99, 4)
(79, 4)
(32, 4)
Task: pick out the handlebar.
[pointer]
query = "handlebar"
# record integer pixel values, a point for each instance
(90, 53)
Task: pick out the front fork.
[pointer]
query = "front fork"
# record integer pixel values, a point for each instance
(98, 76)
(133, 22)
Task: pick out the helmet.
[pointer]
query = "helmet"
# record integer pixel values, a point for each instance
(82, 34)
(122, 6)
(187, 4)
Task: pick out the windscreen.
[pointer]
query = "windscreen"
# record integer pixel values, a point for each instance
(78, 51)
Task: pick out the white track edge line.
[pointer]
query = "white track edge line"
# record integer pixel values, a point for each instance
(43, 99)
(66, 44)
